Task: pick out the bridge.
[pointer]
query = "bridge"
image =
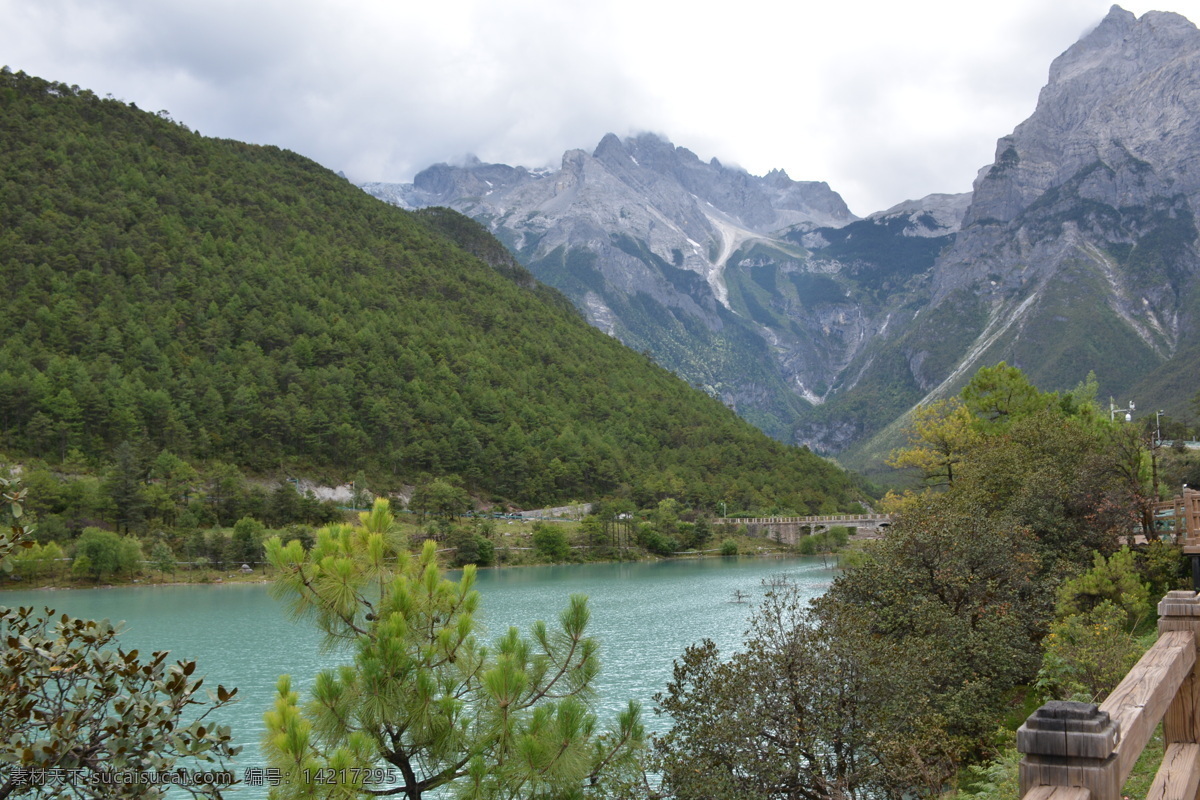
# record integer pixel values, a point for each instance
(788, 530)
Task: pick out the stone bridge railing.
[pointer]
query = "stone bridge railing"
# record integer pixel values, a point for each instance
(787, 530)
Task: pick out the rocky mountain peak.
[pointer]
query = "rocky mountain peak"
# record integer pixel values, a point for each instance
(1120, 49)
(1124, 94)
(610, 145)
(1081, 238)
(931, 216)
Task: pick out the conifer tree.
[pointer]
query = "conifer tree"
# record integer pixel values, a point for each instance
(424, 702)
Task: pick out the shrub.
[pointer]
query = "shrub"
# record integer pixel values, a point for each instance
(1088, 654)
(52, 528)
(1116, 580)
(471, 548)
(729, 548)
(1164, 568)
(245, 546)
(100, 554)
(658, 544)
(550, 542)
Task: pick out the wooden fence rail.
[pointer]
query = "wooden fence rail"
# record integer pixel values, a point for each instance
(1080, 751)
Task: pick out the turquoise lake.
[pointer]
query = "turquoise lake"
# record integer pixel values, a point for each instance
(643, 614)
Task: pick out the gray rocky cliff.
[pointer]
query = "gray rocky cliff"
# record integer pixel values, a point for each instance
(1078, 251)
(1107, 168)
(1127, 90)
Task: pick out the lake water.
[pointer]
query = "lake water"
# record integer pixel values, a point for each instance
(643, 614)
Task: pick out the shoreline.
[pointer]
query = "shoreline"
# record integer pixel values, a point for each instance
(11, 585)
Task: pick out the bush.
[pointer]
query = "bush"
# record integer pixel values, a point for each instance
(1164, 568)
(37, 561)
(658, 544)
(829, 541)
(729, 548)
(245, 547)
(471, 548)
(100, 554)
(52, 528)
(300, 533)
(852, 559)
(163, 558)
(1088, 654)
(550, 542)
(1116, 580)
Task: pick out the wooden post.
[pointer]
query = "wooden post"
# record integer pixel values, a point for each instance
(1070, 744)
(1179, 775)
(1180, 611)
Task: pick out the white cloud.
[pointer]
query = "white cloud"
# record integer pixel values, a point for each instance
(885, 101)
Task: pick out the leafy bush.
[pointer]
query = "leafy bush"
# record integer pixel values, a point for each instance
(1087, 655)
(729, 547)
(840, 536)
(1116, 580)
(658, 544)
(995, 780)
(550, 542)
(1163, 567)
(471, 548)
(245, 547)
(700, 533)
(99, 554)
(36, 561)
(829, 541)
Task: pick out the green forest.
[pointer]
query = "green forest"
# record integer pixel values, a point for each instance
(242, 305)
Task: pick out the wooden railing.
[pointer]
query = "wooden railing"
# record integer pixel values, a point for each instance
(1181, 514)
(1078, 751)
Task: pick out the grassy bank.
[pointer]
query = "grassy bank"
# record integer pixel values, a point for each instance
(206, 556)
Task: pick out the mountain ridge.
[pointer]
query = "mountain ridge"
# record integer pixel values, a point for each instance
(1075, 251)
(641, 235)
(1078, 252)
(242, 304)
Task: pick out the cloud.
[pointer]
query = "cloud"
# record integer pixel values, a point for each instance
(884, 101)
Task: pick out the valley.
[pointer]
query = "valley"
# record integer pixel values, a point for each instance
(1094, 196)
(199, 332)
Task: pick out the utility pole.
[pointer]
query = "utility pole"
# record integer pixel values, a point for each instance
(1112, 411)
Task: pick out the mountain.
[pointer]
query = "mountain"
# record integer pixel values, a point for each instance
(1078, 251)
(760, 290)
(655, 247)
(225, 301)
(1075, 252)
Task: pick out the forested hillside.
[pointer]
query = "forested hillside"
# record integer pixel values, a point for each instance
(235, 302)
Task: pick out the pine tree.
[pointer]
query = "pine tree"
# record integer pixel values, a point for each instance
(422, 695)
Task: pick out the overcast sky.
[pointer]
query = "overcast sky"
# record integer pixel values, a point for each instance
(885, 101)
